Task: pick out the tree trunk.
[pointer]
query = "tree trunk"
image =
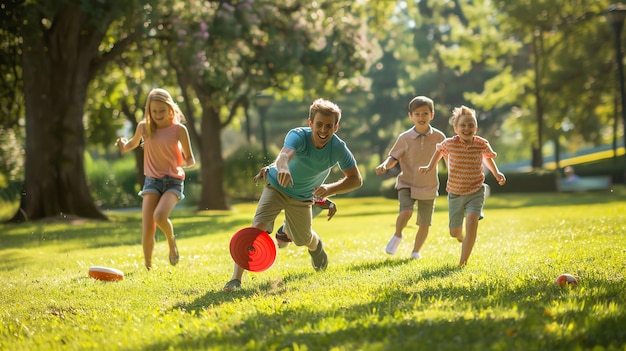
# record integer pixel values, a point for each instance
(140, 177)
(213, 196)
(208, 146)
(57, 64)
(537, 161)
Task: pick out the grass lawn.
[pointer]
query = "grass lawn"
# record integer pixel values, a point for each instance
(505, 299)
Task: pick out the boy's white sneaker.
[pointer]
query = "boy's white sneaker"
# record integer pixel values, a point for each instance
(416, 255)
(393, 244)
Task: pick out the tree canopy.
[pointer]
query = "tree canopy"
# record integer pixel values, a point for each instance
(75, 73)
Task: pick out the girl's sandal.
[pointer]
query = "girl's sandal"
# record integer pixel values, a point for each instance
(174, 255)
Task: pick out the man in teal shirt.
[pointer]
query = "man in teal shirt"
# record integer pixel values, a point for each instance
(296, 179)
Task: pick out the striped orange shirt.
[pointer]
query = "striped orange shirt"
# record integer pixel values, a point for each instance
(465, 163)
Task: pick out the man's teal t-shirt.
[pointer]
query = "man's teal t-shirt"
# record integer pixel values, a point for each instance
(310, 166)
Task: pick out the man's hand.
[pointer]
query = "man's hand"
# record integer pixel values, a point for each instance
(332, 209)
(322, 192)
(284, 177)
(262, 174)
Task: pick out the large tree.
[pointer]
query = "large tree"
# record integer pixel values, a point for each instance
(225, 52)
(62, 47)
(437, 49)
(11, 101)
(558, 80)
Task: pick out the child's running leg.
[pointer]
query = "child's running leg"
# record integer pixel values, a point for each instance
(402, 220)
(471, 229)
(148, 224)
(420, 237)
(425, 209)
(457, 233)
(161, 217)
(396, 238)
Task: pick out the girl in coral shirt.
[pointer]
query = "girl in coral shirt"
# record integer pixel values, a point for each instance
(167, 150)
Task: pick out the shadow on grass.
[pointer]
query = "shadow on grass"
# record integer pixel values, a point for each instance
(474, 327)
(378, 264)
(217, 297)
(121, 230)
(125, 228)
(513, 201)
(280, 286)
(392, 210)
(504, 201)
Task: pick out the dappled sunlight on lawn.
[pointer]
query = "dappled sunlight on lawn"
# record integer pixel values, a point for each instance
(505, 298)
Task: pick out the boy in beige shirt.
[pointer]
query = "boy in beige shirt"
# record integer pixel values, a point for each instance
(412, 149)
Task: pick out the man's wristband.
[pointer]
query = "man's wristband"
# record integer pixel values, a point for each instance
(326, 204)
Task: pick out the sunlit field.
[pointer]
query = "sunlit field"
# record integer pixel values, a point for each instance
(505, 299)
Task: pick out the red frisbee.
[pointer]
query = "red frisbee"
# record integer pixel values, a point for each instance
(253, 249)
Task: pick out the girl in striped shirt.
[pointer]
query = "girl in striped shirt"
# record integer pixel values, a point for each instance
(465, 153)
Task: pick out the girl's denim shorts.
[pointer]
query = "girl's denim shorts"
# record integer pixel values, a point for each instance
(160, 186)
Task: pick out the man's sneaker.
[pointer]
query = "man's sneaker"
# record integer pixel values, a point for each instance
(282, 239)
(393, 244)
(232, 285)
(416, 255)
(319, 259)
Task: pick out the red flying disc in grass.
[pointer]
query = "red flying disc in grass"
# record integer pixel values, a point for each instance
(253, 249)
(105, 273)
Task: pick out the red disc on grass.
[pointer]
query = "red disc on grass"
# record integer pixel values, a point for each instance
(105, 273)
(253, 249)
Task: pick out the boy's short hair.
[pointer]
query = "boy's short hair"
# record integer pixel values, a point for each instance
(461, 111)
(420, 101)
(325, 107)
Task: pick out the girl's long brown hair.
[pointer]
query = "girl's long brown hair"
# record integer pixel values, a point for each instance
(162, 95)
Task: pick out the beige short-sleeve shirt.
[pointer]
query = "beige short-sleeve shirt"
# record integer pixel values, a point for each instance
(413, 150)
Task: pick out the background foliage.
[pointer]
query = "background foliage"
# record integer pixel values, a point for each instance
(541, 76)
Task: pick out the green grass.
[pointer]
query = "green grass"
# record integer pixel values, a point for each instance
(505, 299)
